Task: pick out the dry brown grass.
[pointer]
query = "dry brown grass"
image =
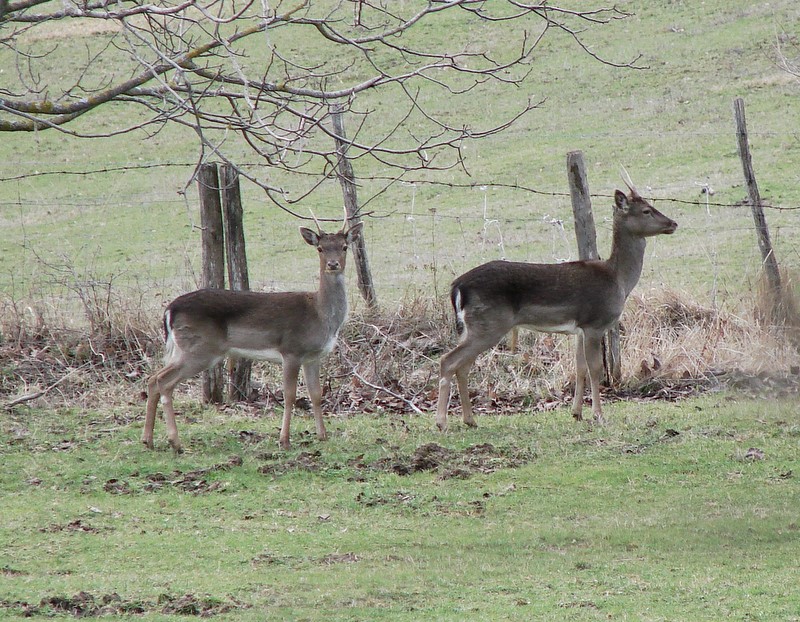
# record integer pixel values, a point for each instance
(668, 335)
(779, 308)
(387, 361)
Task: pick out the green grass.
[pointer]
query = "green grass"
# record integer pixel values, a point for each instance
(658, 516)
(670, 124)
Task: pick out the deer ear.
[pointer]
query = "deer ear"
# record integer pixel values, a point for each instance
(354, 231)
(621, 201)
(309, 236)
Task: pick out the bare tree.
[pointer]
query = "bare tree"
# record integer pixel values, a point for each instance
(260, 76)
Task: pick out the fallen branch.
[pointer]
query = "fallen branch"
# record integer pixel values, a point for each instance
(408, 403)
(32, 396)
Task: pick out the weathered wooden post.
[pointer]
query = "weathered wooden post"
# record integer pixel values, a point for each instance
(344, 171)
(213, 258)
(238, 277)
(586, 234)
(768, 258)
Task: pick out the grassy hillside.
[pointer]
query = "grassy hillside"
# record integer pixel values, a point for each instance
(670, 124)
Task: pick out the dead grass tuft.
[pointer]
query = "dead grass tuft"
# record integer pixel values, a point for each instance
(779, 309)
(666, 335)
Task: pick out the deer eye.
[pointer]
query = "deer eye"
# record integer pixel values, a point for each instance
(344, 248)
(646, 212)
(319, 249)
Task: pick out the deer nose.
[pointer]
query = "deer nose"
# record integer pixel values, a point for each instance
(334, 265)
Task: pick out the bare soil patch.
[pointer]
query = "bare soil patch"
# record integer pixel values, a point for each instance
(86, 605)
(447, 463)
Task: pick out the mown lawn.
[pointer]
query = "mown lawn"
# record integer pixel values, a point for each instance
(672, 511)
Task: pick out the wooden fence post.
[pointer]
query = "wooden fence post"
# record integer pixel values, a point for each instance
(238, 277)
(213, 257)
(344, 171)
(769, 261)
(587, 250)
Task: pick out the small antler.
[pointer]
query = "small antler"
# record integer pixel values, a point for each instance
(627, 179)
(319, 227)
(344, 220)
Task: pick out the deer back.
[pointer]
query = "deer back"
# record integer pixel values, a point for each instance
(548, 297)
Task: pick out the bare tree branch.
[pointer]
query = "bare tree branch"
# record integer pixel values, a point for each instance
(260, 76)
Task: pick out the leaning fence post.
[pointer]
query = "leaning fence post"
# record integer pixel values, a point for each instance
(213, 258)
(587, 250)
(770, 263)
(344, 171)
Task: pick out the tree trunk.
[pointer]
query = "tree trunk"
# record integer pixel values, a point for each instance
(769, 261)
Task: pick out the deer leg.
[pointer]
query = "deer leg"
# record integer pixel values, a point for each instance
(153, 396)
(445, 381)
(290, 370)
(593, 349)
(513, 340)
(580, 377)
(160, 387)
(169, 417)
(311, 373)
(463, 392)
(457, 363)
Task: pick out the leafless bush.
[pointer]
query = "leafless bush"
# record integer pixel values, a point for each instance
(71, 335)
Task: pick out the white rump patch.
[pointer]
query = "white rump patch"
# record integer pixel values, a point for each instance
(459, 307)
(170, 348)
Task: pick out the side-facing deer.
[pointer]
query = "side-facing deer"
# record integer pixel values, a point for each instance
(293, 328)
(583, 298)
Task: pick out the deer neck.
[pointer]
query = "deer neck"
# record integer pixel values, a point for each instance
(627, 258)
(332, 299)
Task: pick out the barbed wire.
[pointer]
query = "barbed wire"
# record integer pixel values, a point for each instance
(408, 182)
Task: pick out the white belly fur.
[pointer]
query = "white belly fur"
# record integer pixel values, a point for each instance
(567, 328)
(259, 355)
(269, 354)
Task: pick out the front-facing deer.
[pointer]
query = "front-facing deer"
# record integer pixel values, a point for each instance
(293, 328)
(583, 298)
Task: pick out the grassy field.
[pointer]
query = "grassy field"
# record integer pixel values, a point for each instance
(674, 511)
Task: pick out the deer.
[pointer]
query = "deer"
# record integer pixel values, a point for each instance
(583, 298)
(297, 329)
